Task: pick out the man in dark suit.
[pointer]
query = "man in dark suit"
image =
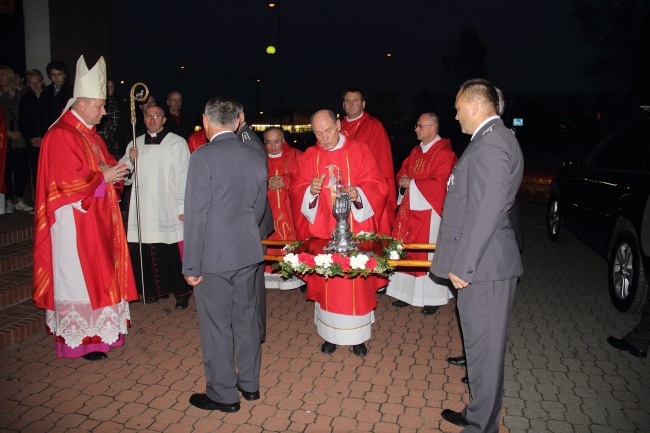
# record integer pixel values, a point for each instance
(225, 201)
(177, 121)
(477, 249)
(266, 227)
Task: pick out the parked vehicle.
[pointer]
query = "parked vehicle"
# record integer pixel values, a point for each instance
(604, 199)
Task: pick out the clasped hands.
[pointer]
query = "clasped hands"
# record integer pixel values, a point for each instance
(317, 185)
(115, 173)
(276, 182)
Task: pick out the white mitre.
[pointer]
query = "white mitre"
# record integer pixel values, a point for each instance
(88, 83)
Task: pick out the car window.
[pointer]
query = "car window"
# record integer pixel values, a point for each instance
(631, 148)
(597, 157)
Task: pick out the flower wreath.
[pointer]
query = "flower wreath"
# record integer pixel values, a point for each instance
(339, 265)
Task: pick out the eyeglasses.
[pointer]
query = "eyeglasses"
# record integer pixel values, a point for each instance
(419, 125)
(269, 142)
(153, 116)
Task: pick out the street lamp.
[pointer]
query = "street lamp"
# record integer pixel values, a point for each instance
(374, 67)
(279, 51)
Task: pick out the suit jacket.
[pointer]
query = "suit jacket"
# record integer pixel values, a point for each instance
(476, 241)
(224, 204)
(252, 140)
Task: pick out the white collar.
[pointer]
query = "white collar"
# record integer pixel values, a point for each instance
(426, 147)
(356, 118)
(483, 123)
(82, 121)
(338, 145)
(218, 133)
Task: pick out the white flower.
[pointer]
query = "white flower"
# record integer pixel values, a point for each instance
(359, 261)
(293, 260)
(323, 260)
(394, 255)
(400, 247)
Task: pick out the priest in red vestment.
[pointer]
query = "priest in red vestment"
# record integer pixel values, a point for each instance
(360, 126)
(82, 269)
(281, 158)
(196, 140)
(343, 307)
(422, 184)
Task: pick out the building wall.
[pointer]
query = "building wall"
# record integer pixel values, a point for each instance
(37, 34)
(80, 27)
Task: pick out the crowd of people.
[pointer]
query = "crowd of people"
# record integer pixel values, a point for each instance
(200, 202)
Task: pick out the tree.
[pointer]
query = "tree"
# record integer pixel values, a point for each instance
(620, 29)
(464, 59)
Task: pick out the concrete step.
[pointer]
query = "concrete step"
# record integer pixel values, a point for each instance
(19, 322)
(16, 255)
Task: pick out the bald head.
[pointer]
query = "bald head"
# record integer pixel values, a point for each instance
(326, 127)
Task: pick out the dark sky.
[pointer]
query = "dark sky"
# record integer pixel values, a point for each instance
(329, 45)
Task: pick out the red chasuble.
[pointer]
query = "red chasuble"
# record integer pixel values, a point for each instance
(69, 171)
(196, 140)
(279, 198)
(431, 171)
(369, 130)
(358, 168)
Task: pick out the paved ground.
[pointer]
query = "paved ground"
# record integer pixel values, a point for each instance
(561, 376)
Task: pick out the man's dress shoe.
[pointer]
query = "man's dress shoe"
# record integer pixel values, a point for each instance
(202, 401)
(454, 417)
(328, 347)
(429, 310)
(624, 345)
(458, 360)
(465, 380)
(182, 304)
(250, 396)
(360, 349)
(381, 290)
(94, 356)
(400, 304)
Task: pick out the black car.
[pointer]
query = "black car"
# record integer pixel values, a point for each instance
(604, 199)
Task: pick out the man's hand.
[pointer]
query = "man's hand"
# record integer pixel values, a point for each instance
(316, 185)
(115, 173)
(276, 182)
(193, 281)
(404, 181)
(457, 282)
(180, 217)
(352, 192)
(14, 135)
(36, 141)
(133, 154)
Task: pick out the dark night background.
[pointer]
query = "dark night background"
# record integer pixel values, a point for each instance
(533, 52)
(532, 47)
(568, 68)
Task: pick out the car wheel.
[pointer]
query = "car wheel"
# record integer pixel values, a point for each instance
(627, 281)
(553, 219)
